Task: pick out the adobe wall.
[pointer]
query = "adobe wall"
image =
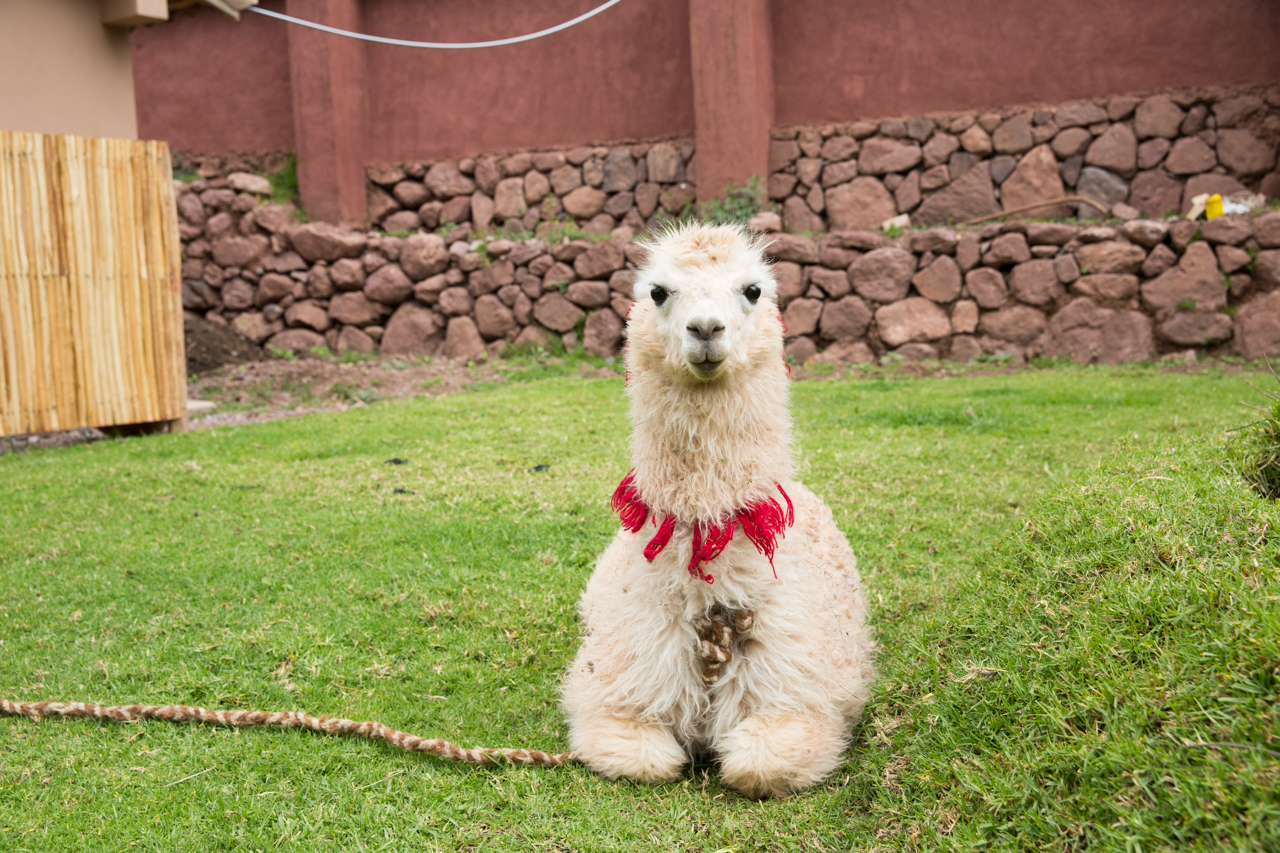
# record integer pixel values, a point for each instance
(620, 75)
(209, 84)
(834, 60)
(63, 71)
(212, 85)
(1130, 288)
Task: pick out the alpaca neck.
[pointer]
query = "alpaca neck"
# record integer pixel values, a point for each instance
(703, 451)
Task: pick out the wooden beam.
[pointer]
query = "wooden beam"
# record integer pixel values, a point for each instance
(131, 13)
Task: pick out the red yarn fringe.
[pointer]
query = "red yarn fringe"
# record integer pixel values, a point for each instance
(791, 509)
(707, 546)
(627, 504)
(763, 522)
(658, 542)
(785, 363)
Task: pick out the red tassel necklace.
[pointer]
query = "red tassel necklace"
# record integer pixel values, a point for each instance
(763, 522)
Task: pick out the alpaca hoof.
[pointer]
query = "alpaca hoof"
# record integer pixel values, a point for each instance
(616, 747)
(773, 757)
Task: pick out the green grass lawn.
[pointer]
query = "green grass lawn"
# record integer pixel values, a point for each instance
(1044, 658)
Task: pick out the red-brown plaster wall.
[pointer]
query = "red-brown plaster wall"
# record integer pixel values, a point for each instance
(623, 74)
(206, 84)
(210, 85)
(835, 60)
(732, 91)
(330, 109)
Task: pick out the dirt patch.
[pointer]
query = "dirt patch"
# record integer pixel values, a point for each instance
(211, 345)
(257, 391)
(62, 438)
(271, 389)
(280, 388)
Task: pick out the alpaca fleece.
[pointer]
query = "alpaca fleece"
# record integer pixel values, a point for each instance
(767, 667)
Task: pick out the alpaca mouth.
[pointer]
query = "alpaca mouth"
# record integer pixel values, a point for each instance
(706, 367)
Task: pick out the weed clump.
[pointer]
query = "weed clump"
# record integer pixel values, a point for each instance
(736, 206)
(284, 187)
(1260, 454)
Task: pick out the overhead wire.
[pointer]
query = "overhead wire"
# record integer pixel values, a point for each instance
(436, 45)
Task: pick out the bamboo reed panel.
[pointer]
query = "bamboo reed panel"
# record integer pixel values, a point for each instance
(90, 284)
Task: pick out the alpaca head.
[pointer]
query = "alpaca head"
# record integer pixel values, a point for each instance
(705, 305)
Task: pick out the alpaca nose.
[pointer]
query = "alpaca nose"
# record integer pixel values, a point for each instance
(706, 327)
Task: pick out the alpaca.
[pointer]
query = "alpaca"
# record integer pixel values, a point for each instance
(727, 616)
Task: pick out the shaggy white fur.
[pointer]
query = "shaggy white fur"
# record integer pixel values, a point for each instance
(710, 411)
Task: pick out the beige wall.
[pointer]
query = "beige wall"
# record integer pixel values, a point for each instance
(62, 71)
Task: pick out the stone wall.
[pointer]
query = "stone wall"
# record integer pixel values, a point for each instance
(1090, 293)
(1108, 293)
(1150, 155)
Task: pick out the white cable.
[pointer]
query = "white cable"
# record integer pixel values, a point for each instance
(435, 45)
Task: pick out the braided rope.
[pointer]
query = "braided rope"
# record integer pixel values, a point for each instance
(717, 629)
(288, 719)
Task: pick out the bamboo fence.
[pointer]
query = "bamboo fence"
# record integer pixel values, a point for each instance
(90, 284)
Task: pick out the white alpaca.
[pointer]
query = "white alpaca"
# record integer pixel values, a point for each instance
(691, 653)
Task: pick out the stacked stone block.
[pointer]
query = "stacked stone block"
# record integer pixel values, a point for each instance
(294, 286)
(599, 188)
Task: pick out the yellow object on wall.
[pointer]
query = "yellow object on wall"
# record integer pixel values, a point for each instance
(1213, 207)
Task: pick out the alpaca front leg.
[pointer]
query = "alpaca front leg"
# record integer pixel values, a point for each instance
(616, 744)
(772, 756)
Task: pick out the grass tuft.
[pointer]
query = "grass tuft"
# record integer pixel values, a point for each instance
(1259, 452)
(736, 205)
(284, 186)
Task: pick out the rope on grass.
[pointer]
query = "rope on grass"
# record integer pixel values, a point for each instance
(288, 719)
(1248, 746)
(1079, 199)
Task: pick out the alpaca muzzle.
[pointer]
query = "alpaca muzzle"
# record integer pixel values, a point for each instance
(705, 345)
(705, 352)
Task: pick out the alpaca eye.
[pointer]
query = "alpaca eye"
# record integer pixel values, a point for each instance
(659, 294)
(752, 292)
